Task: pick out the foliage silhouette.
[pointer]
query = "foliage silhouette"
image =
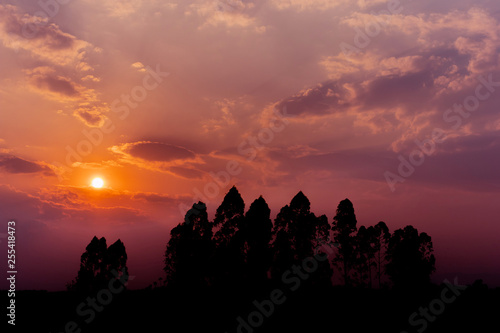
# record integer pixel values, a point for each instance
(98, 265)
(228, 259)
(365, 255)
(381, 239)
(298, 232)
(344, 227)
(256, 233)
(410, 258)
(188, 250)
(370, 249)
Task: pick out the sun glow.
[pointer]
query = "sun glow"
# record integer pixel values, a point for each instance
(97, 182)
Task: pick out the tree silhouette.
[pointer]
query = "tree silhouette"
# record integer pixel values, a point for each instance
(99, 264)
(298, 233)
(364, 255)
(228, 217)
(382, 237)
(228, 258)
(322, 238)
(344, 225)
(410, 258)
(256, 233)
(189, 249)
(371, 246)
(116, 258)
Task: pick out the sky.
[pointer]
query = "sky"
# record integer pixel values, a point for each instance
(392, 104)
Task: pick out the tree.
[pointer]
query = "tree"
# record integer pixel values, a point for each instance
(189, 249)
(322, 239)
(382, 236)
(256, 233)
(98, 265)
(343, 226)
(364, 255)
(410, 258)
(298, 235)
(370, 249)
(116, 258)
(228, 259)
(90, 277)
(228, 218)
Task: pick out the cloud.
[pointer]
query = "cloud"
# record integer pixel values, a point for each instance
(324, 98)
(89, 109)
(48, 83)
(15, 165)
(375, 64)
(417, 67)
(472, 34)
(156, 151)
(321, 5)
(92, 115)
(226, 118)
(38, 36)
(61, 61)
(95, 165)
(227, 13)
(91, 78)
(343, 163)
(126, 8)
(139, 66)
(187, 173)
(160, 198)
(158, 156)
(375, 103)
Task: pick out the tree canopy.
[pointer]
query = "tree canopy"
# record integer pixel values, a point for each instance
(99, 264)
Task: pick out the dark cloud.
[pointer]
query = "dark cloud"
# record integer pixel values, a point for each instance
(13, 164)
(391, 91)
(56, 84)
(323, 98)
(91, 118)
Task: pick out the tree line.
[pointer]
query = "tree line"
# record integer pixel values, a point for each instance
(239, 248)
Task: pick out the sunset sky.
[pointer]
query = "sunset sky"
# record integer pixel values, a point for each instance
(324, 96)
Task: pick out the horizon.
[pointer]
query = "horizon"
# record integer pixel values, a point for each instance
(118, 117)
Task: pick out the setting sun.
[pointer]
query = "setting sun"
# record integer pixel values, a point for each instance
(97, 182)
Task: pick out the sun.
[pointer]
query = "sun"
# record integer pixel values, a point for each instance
(97, 182)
